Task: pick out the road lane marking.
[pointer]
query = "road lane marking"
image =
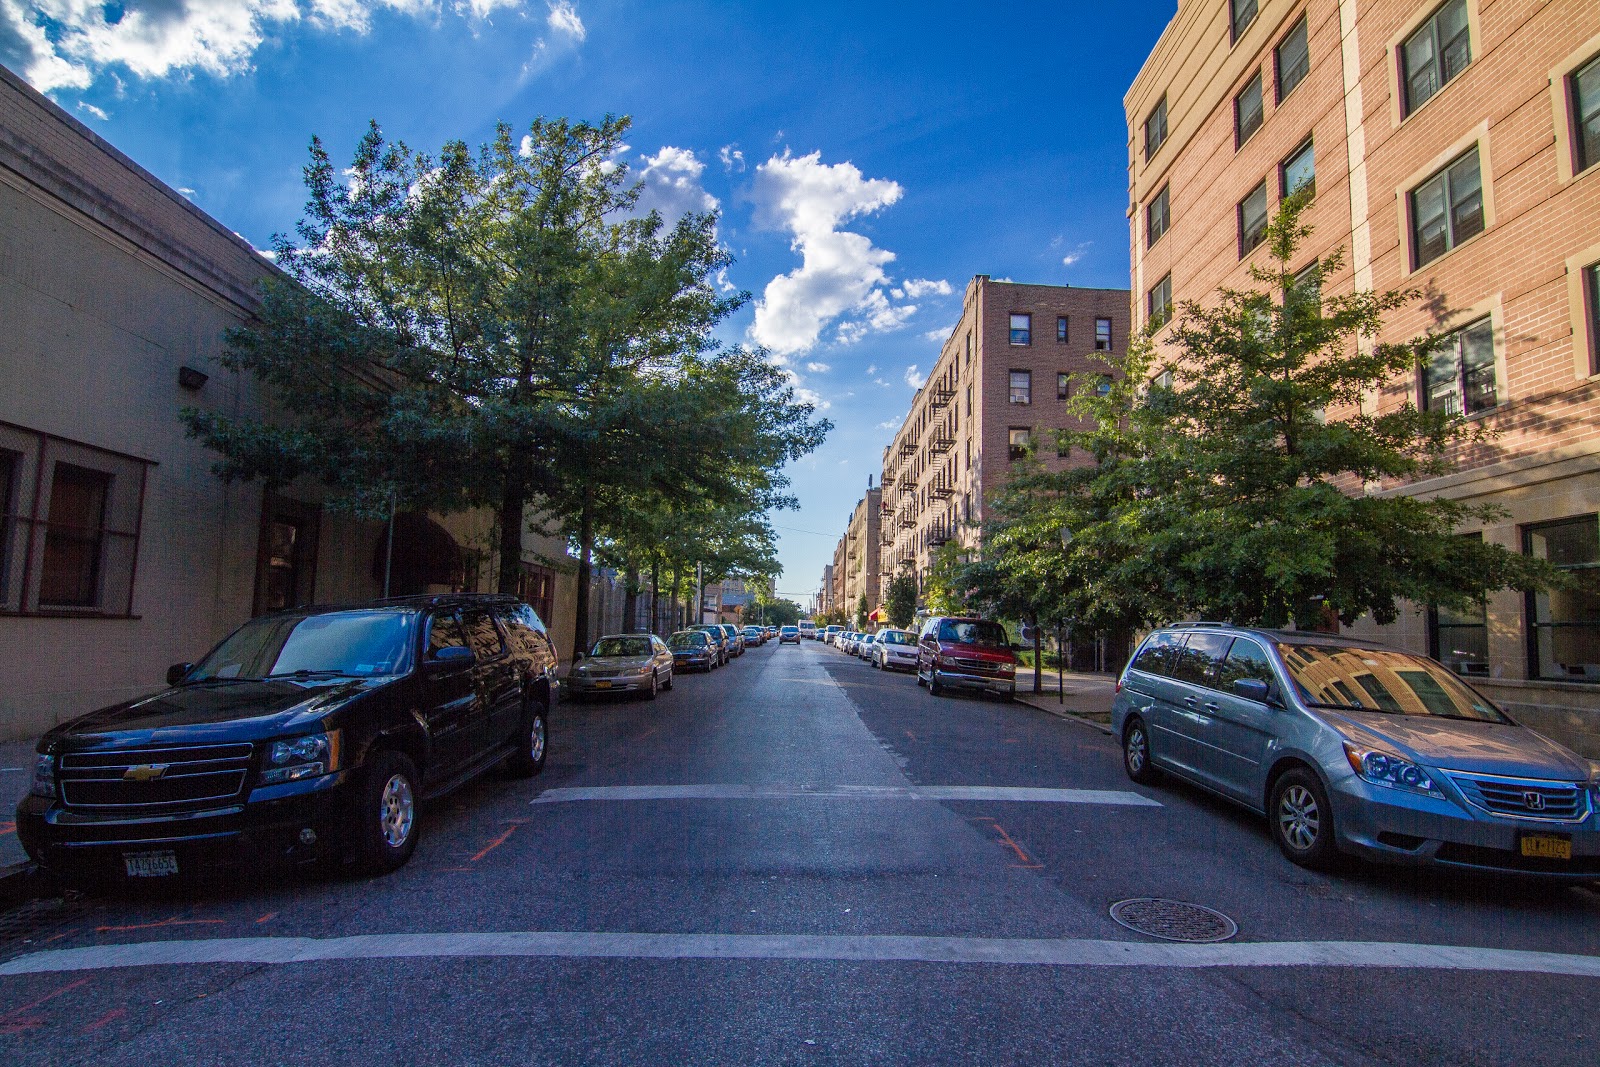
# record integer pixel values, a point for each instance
(1020, 794)
(1041, 952)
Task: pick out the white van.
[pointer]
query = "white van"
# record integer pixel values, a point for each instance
(808, 629)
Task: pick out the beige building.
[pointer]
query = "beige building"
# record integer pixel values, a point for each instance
(997, 388)
(1452, 147)
(120, 551)
(855, 557)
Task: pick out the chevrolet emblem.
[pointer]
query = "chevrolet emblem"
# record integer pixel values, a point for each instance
(145, 772)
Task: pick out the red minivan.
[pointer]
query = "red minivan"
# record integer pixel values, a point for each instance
(966, 653)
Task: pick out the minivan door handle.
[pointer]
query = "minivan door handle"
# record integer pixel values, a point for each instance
(1189, 701)
(1212, 707)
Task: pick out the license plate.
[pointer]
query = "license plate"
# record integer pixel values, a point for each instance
(150, 864)
(602, 685)
(1547, 847)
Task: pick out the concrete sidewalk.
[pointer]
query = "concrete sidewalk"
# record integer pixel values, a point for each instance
(1082, 696)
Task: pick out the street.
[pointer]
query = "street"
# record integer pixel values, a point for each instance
(799, 859)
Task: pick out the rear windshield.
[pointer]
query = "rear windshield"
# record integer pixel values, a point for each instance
(695, 639)
(352, 643)
(982, 634)
(622, 646)
(1391, 682)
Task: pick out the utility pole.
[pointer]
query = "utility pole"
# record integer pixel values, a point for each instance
(699, 595)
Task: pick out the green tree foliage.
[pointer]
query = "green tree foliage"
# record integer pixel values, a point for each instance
(901, 603)
(782, 612)
(862, 611)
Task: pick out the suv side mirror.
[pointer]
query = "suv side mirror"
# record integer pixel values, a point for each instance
(178, 672)
(1255, 689)
(443, 659)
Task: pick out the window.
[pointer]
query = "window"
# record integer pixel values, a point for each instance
(1460, 378)
(1157, 217)
(1446, 209)
(1063, 385)
(1155, 128)
(1243, 13)
(1247, 111)
(1564, 625)
(483, 636)
(1308, 281)
(538, 589)
(1021, 387)
(445, 632)
(1019, 438)
(1292, 59)
(74, 537)
(1063, 448)
(1102, 388)
(1158, 303)
(1586, 113)
(1246, 659)
(1299, 172)
(1102, 335)
(1200, 657)
(1591, 281)
(1460, 639)
(1252, 219)
(286, 560)
(1022, 329)
(1438, 51)
(10, 526)
(970, 412)
(1061, 329)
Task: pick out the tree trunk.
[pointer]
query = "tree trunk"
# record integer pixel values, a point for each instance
(1038, 660)
(513, 504)
(630, 601)
(580, 629)
(655, 596)
(675, 587)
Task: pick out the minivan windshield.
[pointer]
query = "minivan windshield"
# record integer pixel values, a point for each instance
(896, 637)
(621, 646)
(1375, 680)
(340, 643)
(971, 632)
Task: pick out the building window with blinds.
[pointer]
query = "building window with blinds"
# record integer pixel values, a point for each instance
(1159, 303)
(1460, 377)
(1564, 624)
(1022, 329)
(1447, 209)
(1248, 113)
(1021, 391)
(1155, 128)
(1252, 212)
(1157, 218)
(1018, 439)
(1292, 58)
(1440, 49)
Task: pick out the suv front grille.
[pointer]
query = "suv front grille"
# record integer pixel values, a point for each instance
(155, 777)
(1524, 798)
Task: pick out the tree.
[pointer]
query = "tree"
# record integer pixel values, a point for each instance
(862, 610)
(901, 602)
(1234, 484)
(782, 612)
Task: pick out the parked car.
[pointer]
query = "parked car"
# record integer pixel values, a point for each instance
(623, 663)
(966, 653)
(864, 646)
(1351, 747)
(831, 634)
(841, 640)
(692, 650)
(719, 637)
(772, 632)
(736, 643)
(895, 649)
(304, 736)
(789, 634)
(754, 635)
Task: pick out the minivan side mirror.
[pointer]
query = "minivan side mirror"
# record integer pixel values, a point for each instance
(1255, 689)
(444, 659)
(178, 672)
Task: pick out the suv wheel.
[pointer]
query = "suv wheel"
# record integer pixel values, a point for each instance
(533, 743)
(1301, 820)
(1136, 752)
(386, 822)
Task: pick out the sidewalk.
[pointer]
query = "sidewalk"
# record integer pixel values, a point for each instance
(16, 774)
(1085, 697)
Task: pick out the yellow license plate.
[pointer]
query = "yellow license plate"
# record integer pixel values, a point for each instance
(1546, 847)
(602, 685)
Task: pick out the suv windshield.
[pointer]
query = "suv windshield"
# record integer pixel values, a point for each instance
(695, 639)
(622, 646)
(969, 632)
(356, 643)
(1375, 680)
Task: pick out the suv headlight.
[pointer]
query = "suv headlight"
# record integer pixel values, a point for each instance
(310, 756)
(44, 777)
(1384, 768)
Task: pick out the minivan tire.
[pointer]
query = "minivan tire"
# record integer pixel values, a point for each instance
(1136, 752)
(533, 742)
(1300, 820)
(386, 821)
(934, 688)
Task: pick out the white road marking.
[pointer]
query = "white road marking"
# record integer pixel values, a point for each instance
(870, 948)
(1022, 794)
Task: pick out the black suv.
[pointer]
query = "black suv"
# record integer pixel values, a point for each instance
(304, 736)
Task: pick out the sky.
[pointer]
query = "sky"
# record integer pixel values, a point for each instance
(866, 160)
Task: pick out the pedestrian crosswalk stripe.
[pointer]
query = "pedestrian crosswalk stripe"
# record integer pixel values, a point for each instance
(1019, 794)
(870, 948)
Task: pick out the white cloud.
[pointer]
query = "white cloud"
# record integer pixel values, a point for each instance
(66, 44)
(872, 368)
(917, 288)
(889, 424)
(880, 381)
(672, 184)
(915, 378)
(839, 270)
(818, 368)
(938, 336)
(563, 20)
(97, 112)
(186, 191)
(732, 158)
(1076, 254)
(804, 393)
(723, 283)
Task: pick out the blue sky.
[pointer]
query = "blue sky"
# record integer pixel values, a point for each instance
(867, 160)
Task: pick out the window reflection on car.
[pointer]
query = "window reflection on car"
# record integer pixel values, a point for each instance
(354, 643)
(1373, 680)
(982, 634)
(621, 646)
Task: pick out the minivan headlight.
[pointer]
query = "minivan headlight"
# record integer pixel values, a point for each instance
(1384, 768)
(44, 777)
(295, 758)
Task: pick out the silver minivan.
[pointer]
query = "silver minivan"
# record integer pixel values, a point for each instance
(1351, 747)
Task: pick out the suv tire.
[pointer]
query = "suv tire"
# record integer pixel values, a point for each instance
(1136, 752)
(533, 742)
(1300, 820)
(386, 821)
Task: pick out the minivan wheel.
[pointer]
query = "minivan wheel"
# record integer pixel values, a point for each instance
(386, 822)
(934, 687)
(1136, 753)
(533, 742)
(1301, 820)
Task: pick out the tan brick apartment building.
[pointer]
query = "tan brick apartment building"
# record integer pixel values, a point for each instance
(1453, 147)
(855, 568)
(998, 384)
(120, 551)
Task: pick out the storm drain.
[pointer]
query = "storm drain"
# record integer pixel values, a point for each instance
(1173, 920)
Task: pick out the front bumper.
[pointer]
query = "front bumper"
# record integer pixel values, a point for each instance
(1005, 685)
(264, 830)
(632, 683)
(1400, 827)
(893, 660)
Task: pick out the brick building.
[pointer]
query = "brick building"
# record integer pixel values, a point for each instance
(998, 384)
(1451, 146)
(855, 566)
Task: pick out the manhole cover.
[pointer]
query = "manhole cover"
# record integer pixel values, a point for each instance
(1173, 920)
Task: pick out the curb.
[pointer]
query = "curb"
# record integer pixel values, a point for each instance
(20, 883)
(1063, 713)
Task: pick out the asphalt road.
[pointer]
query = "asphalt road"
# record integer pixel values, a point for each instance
(839, 876)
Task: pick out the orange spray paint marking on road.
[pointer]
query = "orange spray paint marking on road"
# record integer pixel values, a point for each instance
(7, 828)
(268, 917)
(647, 733)
(152, 926)
(109, 1017)
(911, 735)
(496, 843)
(1028, 862)
(13, 1021)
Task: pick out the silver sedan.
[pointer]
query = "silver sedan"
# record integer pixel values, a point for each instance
(623, 663)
